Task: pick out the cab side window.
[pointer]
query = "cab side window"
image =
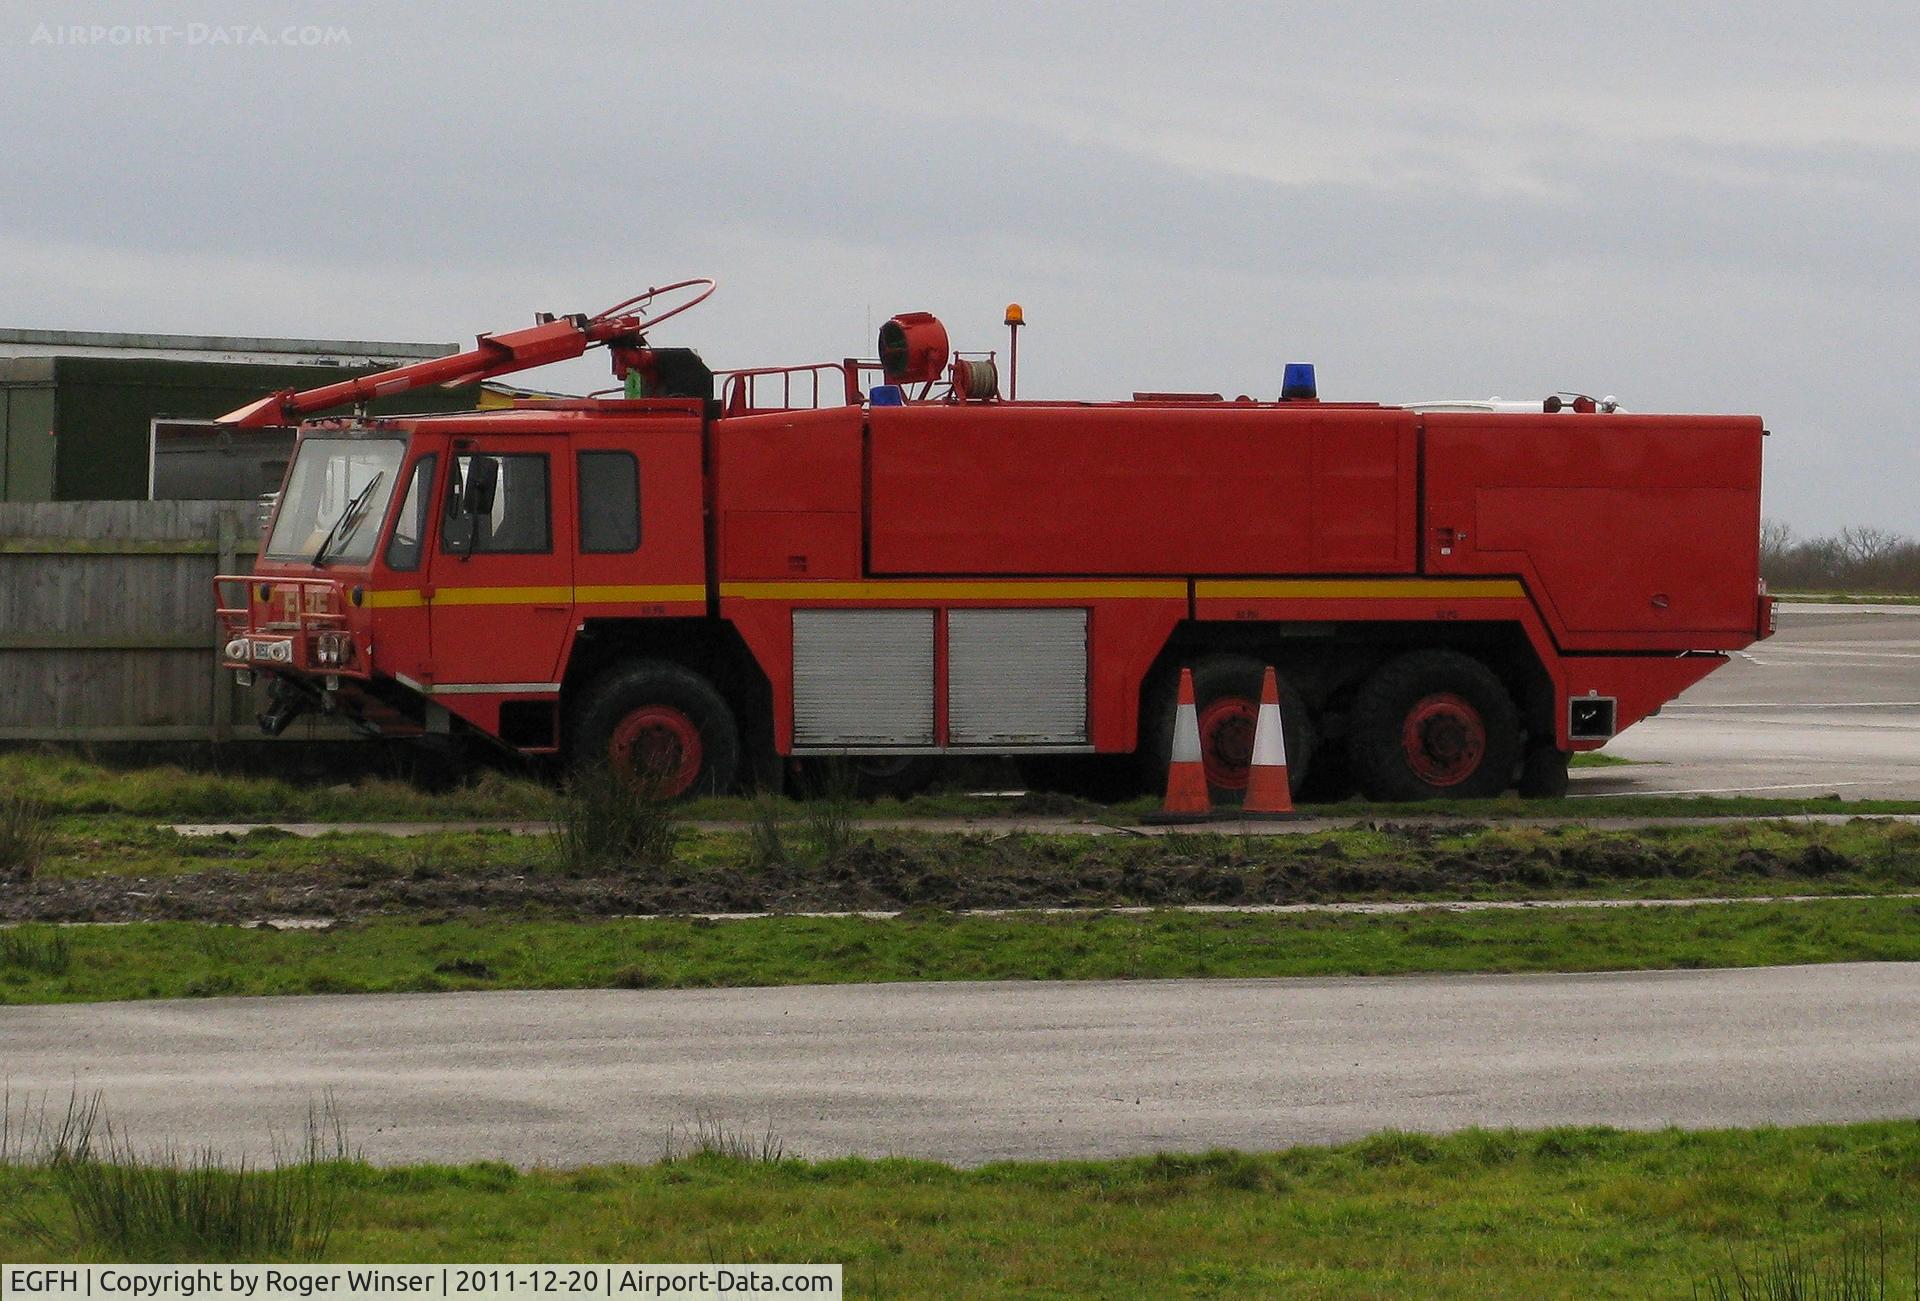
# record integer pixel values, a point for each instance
(410, 526)
(609, 502)
(498, 503)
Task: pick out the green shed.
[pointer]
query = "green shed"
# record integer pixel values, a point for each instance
(87, 416)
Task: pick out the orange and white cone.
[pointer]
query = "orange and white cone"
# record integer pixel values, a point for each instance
(1186, 776)
(1267, 788)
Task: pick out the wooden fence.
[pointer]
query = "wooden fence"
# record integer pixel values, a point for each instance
(106, 622)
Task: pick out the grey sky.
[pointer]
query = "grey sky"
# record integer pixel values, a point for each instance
(1694, 211)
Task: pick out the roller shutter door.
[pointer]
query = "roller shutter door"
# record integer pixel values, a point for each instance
(1017, 677)
(863, 678)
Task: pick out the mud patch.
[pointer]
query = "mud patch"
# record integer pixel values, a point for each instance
(952, 873)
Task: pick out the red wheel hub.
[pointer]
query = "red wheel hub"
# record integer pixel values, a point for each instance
(657, 743)
(1226, 741)
(1444, 738)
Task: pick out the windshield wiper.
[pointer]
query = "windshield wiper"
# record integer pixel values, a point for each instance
(349, 518)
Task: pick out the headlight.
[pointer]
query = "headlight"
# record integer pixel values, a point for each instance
(274, 652)
(238, 649)
(333, 648)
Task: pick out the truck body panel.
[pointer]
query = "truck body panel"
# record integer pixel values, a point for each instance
(1636, 531)
(1059, 489)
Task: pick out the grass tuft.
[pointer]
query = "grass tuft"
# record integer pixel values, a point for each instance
(766, 833)
(26, 831)
(40, 950)
(709, 1138)
(118, 1202)
(1864, 1267)
(828, 814)
(607, 823)
(1393, 1147)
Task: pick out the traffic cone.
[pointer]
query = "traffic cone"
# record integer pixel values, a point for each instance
(1267, 789)
(1186, 776)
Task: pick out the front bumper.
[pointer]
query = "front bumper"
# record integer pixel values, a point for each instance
(286, 625)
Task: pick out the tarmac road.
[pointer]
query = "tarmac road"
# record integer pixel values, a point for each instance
(977, 1072)
(1829, 704)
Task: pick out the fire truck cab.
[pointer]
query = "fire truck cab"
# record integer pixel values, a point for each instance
(700, 576)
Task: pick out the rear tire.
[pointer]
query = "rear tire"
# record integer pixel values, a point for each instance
(1226, 696)
(661, 727)
(1331, 780)
(1101, 778)
(866, 776)
(1433, 724)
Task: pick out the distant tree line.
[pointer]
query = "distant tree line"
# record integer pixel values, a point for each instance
(1852, 560)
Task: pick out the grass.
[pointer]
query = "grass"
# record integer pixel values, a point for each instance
(1482, 1214)
(67, 783)
(187, 960)
(63, 783)
(1596, 759)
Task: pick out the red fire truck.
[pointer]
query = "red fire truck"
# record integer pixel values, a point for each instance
(700, 576)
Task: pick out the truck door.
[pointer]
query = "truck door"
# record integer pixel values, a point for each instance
(641, 536)
(502, 597)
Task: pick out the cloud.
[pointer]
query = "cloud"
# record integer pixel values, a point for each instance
(1692, 210)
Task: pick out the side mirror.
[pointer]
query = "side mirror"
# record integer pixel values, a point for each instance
(457, 531)
(483, 481)
(457, 535)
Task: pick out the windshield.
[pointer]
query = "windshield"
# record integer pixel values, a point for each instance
(336, 497)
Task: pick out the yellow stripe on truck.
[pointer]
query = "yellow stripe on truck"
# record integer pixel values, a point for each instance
(963, 590)
(1380, 588)
(653, 594)
(407, 598)
(503, 596)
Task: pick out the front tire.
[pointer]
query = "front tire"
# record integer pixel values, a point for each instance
(1433, 724)
(1543, 774)
(661, 727)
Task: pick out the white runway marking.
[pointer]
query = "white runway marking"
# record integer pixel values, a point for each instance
(1720, 790)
